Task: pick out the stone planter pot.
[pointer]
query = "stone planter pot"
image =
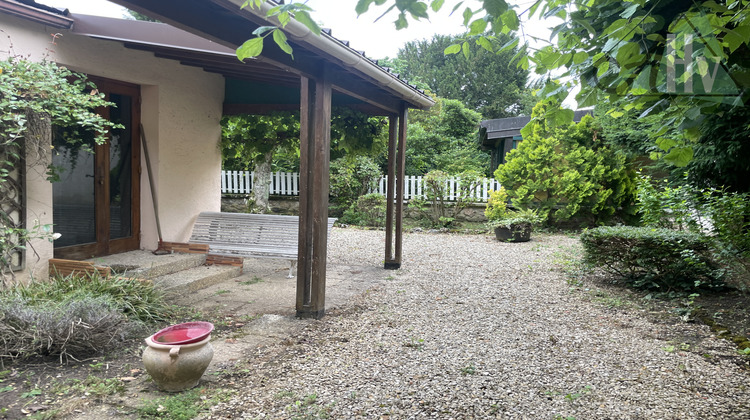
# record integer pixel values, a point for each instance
(514, 233)
(174, 367)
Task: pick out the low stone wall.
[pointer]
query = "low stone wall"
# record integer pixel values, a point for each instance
(280, 205)
(290, 205)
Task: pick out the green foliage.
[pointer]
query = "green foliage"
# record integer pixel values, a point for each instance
(518, 219)
(372, 208)
(355, 133)
(624, 129)
(437, 208)
(566, 172)
(653, 258)
(444, 138)
(132, 14)
(246, 139)
(284, 13)
(723, 151)
(666, 207)
(76, 316)
(722, 213)
(611, 49)
(43, 87)
(484, 81)
(729, 214)
(497, 205)
(614, 49)
(93, 386)
(351, 178)
(185, 405)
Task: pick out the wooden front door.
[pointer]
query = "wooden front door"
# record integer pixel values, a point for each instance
(96, 201)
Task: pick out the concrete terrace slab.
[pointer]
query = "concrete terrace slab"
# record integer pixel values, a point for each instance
(144, 264)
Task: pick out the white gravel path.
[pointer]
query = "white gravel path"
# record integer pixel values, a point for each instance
(474, 328)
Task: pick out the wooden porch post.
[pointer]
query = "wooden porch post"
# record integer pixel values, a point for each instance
(396, 174)
(390, 192)
(315, 139)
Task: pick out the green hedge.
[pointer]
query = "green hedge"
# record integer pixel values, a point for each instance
(653, 258)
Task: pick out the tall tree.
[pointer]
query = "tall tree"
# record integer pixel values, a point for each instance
(444, 138)
(271, 142)
(252, 140)
(484, 81)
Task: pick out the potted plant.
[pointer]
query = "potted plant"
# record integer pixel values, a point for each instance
(509, 226)
(516, 226)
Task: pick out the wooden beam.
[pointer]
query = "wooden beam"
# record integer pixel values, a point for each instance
(259, 109)
(401, 171)
(365, 92)
(315, 143)
(304, 251)
(390, 192)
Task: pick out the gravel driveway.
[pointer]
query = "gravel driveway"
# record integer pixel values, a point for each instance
(474, 328)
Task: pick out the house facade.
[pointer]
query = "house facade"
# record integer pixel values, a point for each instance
(102, 203)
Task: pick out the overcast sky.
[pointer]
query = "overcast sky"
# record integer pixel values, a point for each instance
(378, 39)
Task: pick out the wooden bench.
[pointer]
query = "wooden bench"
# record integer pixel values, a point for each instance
(250, 235)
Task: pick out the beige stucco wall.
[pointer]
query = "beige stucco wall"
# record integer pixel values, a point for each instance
(180, 111)
(38, 213)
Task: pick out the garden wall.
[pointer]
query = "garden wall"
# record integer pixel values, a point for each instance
(290, 205)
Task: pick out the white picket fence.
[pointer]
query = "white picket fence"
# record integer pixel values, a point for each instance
(287, 183)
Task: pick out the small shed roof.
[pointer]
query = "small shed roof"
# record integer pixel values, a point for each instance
(502, 128)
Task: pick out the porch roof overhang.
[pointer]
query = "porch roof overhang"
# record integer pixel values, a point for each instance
(218, 27)
(39, 13)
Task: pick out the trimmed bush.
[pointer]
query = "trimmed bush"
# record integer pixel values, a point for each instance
(653, 258)
(74, 328)
(372, 209)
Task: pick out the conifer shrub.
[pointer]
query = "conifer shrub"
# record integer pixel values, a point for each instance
(653, 258)
(497, 205)
(567, 173)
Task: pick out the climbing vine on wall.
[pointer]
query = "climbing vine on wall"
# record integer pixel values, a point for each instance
(34, 96)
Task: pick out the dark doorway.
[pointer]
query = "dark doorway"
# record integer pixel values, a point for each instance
(96, 202)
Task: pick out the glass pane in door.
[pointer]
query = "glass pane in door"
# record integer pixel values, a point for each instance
(74, 209)
(121, 168)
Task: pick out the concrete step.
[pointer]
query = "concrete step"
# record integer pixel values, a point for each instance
(193, 279)
(146, 265)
